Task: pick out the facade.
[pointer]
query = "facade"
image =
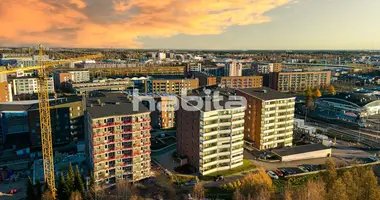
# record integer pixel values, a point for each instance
(172, 86)
(105, 84)
(212, 140)
(118, 139)
(303, 152)
(299, 81)
(29, 85)
(242, 82)
(267, 68)
(22, 117)
(80, 76)
(195, 67)
(204, 78)
(269, 117)
(61, 79)
(233, 68)
(5, 92)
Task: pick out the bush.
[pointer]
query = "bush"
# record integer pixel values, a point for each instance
(230, 186)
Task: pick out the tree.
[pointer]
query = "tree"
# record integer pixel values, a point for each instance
(165, 184)
(257, 185)
(91, 192)
(63, 189)
(76, 196)
(314, 190)
(78, 182)
(30, 192)
(47, 195)
(317, 93)
(38, 189)
(237, 195)
(338, 190)
(198, 192)
(352, 184)
(288, 193)
(70, 178)
(368, 185)
(331, 175)
(331, 90)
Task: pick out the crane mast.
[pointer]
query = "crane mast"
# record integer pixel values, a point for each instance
(45, 124)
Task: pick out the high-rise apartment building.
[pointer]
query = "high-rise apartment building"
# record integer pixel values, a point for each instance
(29, 85)
(241, 81)
(233, 68)
(211, 139)
(172, 86)
(296, 81)
(269, 117)
(118, 139)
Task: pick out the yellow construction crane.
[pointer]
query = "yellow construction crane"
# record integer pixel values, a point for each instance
(44, 110)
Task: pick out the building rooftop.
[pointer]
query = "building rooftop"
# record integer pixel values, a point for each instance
(33, 104)
(356, 98)
(265, 93)
(299, 149)
(112, 104)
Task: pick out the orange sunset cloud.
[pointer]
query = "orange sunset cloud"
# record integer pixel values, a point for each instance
(119, 23)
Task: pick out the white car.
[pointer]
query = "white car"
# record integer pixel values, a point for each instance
(272, 175)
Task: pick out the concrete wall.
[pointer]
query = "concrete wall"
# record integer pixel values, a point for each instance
(308, 155)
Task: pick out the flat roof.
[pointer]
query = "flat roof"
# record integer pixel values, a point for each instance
(299, 149)
(265, 93)
(113, 104)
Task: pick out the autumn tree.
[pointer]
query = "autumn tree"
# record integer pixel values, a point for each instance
(337, 191)
(331, 90)
(76, 196)
(166, 185)
(331, 174)
(198, 192)
(352, 184)
(368, 185)
(47, 195)
(314, 190)
(259, 185)
(288, 192)
(308, 97)
(317, 93)
(237, 195)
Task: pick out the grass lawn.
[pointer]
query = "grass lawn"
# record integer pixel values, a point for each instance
(245, 167)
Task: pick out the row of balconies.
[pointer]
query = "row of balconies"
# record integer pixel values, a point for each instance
(118, 123)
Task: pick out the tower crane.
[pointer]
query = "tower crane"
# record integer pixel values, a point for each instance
(44, 110)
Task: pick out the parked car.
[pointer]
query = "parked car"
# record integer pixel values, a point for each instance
(278, 173)
(272, 175)
(219, 178)
(284, 172)
(192, 182)
(303, 169)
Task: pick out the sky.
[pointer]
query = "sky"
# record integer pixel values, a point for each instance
(192, 24)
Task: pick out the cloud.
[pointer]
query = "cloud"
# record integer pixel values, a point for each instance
(119, 23)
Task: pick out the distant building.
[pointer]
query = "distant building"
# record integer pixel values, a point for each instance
(241, 81)
(269, 117)
(195, 67)
(205, 79)
(105, 84)
(211, 139)
(233, 68)
(29, 85)
(118, 139)
(5, 89)
(70, 76)
(299, 81)
(161, 56)
(172, 86)
(267, 68)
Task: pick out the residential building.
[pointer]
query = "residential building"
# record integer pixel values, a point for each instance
(29, 85)
(61, 79)
(267, 68)
(211, 138)
(241, 81)
(161, 56)
(21, 118)
(104, 84)
(269, 117)
(172, 86)
(195, 67)
(296, 81)
(204, 78)
(118, 139)
(5, 92)
(233, 68)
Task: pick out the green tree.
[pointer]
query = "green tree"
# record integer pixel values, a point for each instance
(38, 188)
(63, 189)
(78, 182)
(30, 192)
(70, 178)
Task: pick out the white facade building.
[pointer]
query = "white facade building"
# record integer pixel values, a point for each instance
(29, 86)
(233, 68)
(80, 76)
(221, 140)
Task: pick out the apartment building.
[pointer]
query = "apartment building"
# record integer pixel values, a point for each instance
(211, 139)
(195, 67)
(204, 78)
(233, 68)
(241, 81)
(104, 84)
(118, 139)
(267, 68)
(296, 81)
(29, 85)
(172, 86)
(5, 92)
(63, 77)
(269, 117)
